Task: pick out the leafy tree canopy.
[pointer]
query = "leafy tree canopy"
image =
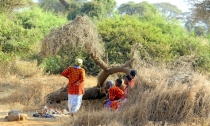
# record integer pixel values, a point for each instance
(143, 9)
(7, 6)
(21, 35)
(200, 11)
(52, 5)
(169, 10)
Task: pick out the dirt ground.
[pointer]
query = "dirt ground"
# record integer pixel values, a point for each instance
(8, 87)
(13, 84)
(32, 121)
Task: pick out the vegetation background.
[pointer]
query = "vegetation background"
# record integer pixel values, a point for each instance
(174, 56)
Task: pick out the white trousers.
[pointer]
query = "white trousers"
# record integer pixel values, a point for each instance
(74, 103)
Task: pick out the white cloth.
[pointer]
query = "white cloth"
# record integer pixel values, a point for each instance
(74, 103)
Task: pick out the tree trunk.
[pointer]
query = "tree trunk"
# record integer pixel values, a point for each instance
(62, 94)
(105, 74)
(64, 3)
(96, 92)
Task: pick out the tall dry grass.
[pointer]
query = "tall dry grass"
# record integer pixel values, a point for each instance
(172, 96)
(30, 92)
(20, 68)
(161, 96)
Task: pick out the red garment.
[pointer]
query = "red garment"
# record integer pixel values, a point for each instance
(131, 84)
(75, 75)
(115, 105)
(115, 93)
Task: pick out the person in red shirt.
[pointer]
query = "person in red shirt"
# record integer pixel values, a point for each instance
(117, 104)
(132, 76)
(76, 77)
(115, 93)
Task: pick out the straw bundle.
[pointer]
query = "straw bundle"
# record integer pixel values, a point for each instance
(80, 32)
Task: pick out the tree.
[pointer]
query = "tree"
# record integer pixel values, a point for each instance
(128, 8)
(52, 5)
(143, 9)
(94, 9)
(74, 8)
(189, 26)
(82, 32)
(24, 31)
(200, 30)
(200, 11)
(109, 5)
(7, 6)
(64, 3)
(169, 10)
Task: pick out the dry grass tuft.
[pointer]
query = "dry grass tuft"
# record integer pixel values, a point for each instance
(80, 32)
(31, 92)
(160, 99)
(161, 96)
(21, 68)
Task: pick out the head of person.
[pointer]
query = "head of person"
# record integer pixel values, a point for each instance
(78, 62)
(133, 73)
(127, 79)
(118, 82)
(109, 84)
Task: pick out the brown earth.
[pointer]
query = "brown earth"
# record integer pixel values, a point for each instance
(15, 85)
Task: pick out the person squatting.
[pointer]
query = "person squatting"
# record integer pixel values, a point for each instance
(116, 93)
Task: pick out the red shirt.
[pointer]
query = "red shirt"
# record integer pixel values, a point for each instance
(74, 75)
(115, 93)
(132, 83)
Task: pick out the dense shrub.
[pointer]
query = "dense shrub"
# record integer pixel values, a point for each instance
(22, 32)
(162, 41)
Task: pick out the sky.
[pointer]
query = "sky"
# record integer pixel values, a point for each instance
(179, 3)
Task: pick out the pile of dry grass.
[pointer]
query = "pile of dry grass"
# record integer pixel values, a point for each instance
(80, 32)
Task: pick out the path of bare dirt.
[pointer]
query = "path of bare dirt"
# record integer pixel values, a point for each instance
(6, 89)
(32, 121)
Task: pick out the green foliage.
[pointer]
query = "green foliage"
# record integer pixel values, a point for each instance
(53, 6)
(123, 32)
(12, 37)
(74, 9)
(107, 5)
(7, 6)
(200, 30)
(168, 10)
(162, 41)
(21, 34)
(52, 64)
(65, 58)
(93, 9)
(143, 9)
(35, 18)
(97, 9)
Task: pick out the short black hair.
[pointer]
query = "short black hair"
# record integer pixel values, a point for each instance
(133, 73)
(119, 81)
(128, 77)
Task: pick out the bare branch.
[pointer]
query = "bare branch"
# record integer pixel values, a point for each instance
(99, 62)
(134, 50)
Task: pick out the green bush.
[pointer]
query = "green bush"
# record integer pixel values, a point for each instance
(22, 32)
(163, 41)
